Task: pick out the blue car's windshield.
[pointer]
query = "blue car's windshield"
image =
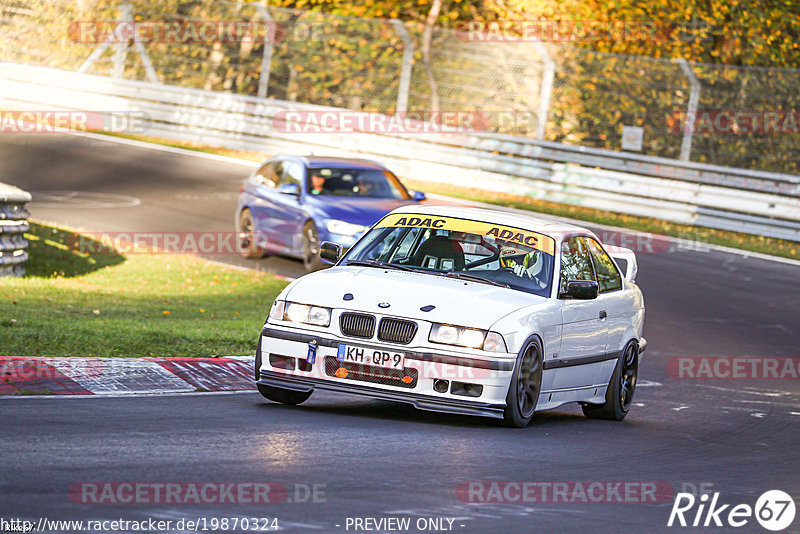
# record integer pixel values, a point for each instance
(368, 183)
(469, 250)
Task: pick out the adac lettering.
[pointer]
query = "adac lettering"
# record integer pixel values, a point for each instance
(416, 221)
(508, 235)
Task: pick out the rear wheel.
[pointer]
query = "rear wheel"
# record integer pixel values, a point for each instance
(311, 247)
(619, 395)
(284, 396)
(248, 247)
(526, 385)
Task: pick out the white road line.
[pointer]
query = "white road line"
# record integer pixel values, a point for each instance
(164, 148)
(763, 393)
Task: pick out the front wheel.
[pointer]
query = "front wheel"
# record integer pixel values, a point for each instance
(311, 247)
(526, 385)
(619, 395)
(284, 396)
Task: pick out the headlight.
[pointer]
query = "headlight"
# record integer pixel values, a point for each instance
(302, 313)
(467, 337)
(344, 228)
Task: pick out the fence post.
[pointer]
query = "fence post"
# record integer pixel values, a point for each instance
(405, 71)
(546, 90)
(121, 47)
(691, 110)
(266, 58)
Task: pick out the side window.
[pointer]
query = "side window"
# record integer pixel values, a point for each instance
(576, 263)
(269, 174)
(608, 277)
(292, 173)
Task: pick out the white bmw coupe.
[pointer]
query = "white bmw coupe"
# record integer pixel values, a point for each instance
(462, 310)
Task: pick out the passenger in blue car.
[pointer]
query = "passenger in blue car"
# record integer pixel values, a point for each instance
(365, 188)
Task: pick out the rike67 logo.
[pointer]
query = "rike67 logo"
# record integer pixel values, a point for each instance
(774, 510)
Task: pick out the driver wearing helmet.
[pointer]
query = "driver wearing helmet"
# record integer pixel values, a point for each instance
(523, 265)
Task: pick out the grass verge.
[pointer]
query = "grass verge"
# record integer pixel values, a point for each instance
(74, 303)
(753, 243)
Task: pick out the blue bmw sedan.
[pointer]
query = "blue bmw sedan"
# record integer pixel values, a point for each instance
(291, 204)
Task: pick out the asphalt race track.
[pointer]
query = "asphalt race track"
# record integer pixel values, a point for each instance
(371, 459)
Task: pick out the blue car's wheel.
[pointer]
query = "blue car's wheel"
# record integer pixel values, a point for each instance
(246, 235)
(311, 247)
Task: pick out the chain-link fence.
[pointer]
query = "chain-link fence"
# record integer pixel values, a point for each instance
(545, 91)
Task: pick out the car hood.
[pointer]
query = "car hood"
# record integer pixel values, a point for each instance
(364, 211)
(456, 301)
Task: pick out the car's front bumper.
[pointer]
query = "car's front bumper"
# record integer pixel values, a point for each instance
(492, 375)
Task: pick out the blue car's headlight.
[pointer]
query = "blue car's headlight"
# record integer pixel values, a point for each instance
(336, 226)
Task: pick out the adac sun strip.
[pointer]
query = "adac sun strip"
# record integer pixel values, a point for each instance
(516, 235)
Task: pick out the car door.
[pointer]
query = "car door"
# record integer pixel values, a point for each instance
(289, 206)
(264, 183)
(580, 360)
(618, 302)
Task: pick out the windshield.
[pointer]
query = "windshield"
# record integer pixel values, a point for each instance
(368, 183)
(471, 250)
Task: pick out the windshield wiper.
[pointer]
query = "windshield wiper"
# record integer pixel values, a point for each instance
(380, 264)
(473, 278)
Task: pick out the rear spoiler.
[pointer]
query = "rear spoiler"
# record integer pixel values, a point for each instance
(626, 255)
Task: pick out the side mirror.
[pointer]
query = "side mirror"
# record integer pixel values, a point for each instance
(289, 189)
(419, 196)
(329, 252)
(581, 290)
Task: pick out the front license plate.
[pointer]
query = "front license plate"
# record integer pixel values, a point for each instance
(362, 355)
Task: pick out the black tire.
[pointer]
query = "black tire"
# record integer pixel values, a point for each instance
(284, 396)
(245, 232)
(619, 395)
(311, 258)
(526, 385)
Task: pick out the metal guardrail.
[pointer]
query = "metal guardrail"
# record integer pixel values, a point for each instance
(13, 225)
(757, 202)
